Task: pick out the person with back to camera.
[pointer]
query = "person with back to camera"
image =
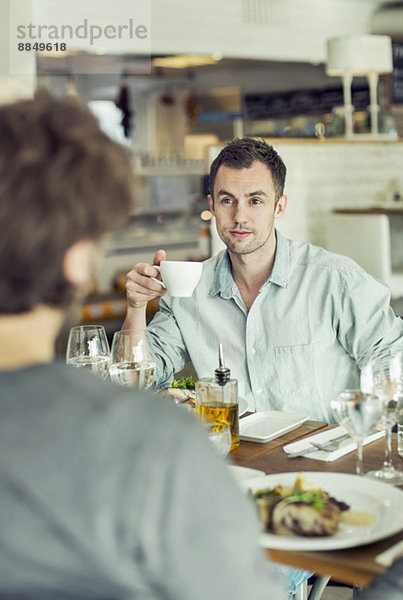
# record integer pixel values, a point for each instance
(295, 320)
(104, 492)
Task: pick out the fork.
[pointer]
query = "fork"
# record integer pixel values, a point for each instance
(328, 446)
(331, 445)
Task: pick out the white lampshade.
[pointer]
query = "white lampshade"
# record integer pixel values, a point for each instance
(359, 55)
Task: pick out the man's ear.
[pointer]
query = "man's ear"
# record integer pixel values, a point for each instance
(281, 206)
(80, 262)
(211, 204)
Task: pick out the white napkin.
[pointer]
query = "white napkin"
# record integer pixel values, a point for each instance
(388, 557)
(345, 447)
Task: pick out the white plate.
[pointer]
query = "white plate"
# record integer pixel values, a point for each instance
(268, 425)
(380, 499)
(242, 406)
(243, 475)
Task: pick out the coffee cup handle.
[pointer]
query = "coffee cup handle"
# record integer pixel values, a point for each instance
(158, 280)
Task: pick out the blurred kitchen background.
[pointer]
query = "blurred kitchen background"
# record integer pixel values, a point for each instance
(243, 67)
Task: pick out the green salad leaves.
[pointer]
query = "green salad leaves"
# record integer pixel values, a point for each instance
(184, 383)
(314, 498)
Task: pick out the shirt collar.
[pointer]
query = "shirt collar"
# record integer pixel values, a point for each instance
(280, 272)
(224, 284)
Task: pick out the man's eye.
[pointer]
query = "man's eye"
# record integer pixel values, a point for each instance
(227, 201)
(255, 201)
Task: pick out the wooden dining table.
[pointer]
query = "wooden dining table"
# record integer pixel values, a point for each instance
(351, 566)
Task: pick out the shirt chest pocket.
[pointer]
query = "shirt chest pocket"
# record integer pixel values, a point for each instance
(295, 367)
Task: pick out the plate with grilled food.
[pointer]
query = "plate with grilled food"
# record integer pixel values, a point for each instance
(325, 511)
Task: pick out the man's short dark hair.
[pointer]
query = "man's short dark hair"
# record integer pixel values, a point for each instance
(62, 180)
(241, 153)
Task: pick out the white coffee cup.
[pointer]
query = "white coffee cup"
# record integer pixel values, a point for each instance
(179, 277)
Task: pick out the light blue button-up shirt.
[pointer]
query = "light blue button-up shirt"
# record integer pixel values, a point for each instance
(311, 324)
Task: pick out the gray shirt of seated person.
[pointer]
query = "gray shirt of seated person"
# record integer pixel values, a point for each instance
(301, 342)
(117, 494)
(388, 586)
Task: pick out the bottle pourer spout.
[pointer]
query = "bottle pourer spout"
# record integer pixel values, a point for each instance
(222, 373)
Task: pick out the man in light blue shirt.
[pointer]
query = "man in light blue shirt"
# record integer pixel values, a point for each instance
(295, 320)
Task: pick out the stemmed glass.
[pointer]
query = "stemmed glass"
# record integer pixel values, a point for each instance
(88, 348)
(131, 363)
(382, 375)
(358, 413)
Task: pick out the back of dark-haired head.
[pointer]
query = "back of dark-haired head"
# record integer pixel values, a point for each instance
(241, 153)
(61, 181)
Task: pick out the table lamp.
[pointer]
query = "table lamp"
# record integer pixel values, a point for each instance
(359, 55)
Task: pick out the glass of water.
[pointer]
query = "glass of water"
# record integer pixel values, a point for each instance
(358, 413)
(131, 363)
(88, 348)
(382, 375)
(220, 436)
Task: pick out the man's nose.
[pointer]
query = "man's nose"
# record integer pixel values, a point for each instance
(240, 214)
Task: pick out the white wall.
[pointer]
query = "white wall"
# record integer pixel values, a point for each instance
(19, 85)
(323, 176)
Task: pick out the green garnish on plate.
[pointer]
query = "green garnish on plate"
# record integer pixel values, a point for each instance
(184, 383)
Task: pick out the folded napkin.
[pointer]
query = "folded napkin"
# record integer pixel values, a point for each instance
(388, 557)
(345, 447)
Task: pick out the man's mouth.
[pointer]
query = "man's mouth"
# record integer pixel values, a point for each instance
(240, 233)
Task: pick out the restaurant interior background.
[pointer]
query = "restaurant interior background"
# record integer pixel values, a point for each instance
(233, 68)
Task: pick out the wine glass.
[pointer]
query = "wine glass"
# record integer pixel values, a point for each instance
(220, 436)
(382, 375)
(358, 413)
(88, 348)
(131, 363)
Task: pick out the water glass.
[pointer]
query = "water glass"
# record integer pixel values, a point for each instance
(399, 416)
(88, 348)
(382, 375)
(220, 437)
(400, 439)
(131, 363)
(358, 413)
